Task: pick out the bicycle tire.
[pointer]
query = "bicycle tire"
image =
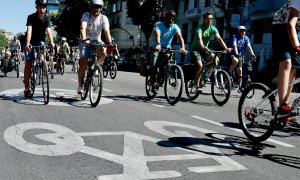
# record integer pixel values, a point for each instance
(32, 80)
(174, 84)
(86, 83)
(96, 86)
(148, 88)
(113, 70)
(251, 116)
(190, 90)
(221, 87)
(105, 70)
(17, 69)
(45, 82)
(62, 70)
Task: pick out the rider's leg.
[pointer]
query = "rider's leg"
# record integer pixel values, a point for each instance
(81, 71)
(283, 80)
(101, 52)
(153, 64)
(234, 62)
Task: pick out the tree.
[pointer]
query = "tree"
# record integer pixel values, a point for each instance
(144, 13)
(3, 40)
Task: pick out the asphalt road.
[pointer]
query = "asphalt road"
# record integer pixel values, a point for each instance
(130, 137)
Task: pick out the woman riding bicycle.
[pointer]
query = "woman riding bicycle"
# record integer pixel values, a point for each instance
(164, 33)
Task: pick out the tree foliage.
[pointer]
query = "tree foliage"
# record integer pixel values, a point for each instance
(3, 40)
(144, 13)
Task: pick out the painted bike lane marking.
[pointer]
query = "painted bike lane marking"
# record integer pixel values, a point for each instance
(65, 141)
(58, 97)
(240, 131)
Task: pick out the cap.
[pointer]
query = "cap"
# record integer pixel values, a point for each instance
(242, 28)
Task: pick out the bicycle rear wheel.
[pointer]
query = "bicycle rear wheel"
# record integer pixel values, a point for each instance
(62, 70)
(256, 112)
(190, 90)
(45, 81)
(174, 84)
(96, 85)
(221, 87)
(105, 70)
(113, 70)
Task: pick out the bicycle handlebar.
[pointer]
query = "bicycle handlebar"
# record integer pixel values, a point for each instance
(172, 50)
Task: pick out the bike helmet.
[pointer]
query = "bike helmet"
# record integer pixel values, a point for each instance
(97, 2)
(64, 39)
(171, 13)
(41, 2)
(7, 54)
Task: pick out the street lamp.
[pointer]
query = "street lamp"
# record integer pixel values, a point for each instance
(131, 37)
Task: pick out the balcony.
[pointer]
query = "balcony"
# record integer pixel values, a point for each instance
(263, 6)
(192, 13)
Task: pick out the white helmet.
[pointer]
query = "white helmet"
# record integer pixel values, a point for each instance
(97, 2)
(64, 39)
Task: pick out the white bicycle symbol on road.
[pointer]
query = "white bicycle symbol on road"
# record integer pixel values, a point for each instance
(64, 141)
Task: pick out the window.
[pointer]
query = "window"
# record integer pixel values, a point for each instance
(184, 31)
(186, 5)
(196, 3)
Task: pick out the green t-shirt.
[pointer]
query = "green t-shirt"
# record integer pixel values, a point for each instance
(207, 33)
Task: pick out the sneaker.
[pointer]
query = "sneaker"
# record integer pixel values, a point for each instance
(198, 89)
(285, 113)
(27, 92)
(240, 90)
(80, 90)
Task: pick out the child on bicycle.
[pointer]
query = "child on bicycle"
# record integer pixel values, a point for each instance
(37, 24)
(286, 46)
(239, 42)
(199, 46)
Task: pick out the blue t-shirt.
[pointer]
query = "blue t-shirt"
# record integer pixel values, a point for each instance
(166, 34)
(240, 42)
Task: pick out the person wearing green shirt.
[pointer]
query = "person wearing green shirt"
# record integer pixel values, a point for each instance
(199, 46)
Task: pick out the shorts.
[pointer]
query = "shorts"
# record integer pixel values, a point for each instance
(281, 45)
(154, 56)
(199, 56)
(85, 50)
(29, 56)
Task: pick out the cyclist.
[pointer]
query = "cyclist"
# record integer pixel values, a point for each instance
(199, 46)
(164, 33)
(37, 24)
(63, 49)
(92, 24)
(239, 42)
(285, 46)
(15, 46)
(6, 57)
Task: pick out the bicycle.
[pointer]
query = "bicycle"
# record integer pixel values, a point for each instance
(60, 65)
(110, 66)
(246, 76)
(39, 69)
(169, 74)
(12, 64)
(257, 111)
(50, 57)
(75, 65)
(220, 83)
(93, 82)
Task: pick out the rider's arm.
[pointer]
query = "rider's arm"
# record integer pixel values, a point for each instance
(28, 37)
(221, 42)
(179, 36)
(83, 30)
(200, 41)
(68, 49)
(249, 47)
(157, 40)
(293, 18)
(106, 30)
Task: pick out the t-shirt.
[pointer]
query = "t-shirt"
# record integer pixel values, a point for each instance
(207, 33)
(240, 41)
(166, 34)
(39, 26)
(282, 15)
(63, 47)
(15, 45)
(94, 25)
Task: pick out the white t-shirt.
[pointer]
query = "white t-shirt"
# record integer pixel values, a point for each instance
(94, 25)
(15, 45)
(282, 15)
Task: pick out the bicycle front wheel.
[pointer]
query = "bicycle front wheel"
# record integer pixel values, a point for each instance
(174, 84)
(32, 80)
(113, 70)
(105, 70)
(221, 87)
(256, 112)
(45, 81)
(62, 70)
(96, 85)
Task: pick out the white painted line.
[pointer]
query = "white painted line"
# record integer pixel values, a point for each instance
(107, 79)
(240, 131)
(158, 105)
(74, 80)
(107, 90)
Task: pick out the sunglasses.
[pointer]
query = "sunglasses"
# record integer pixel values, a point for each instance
(96, 6)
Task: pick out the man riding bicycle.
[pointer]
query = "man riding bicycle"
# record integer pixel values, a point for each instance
(199, 46)
(239, 42)
(15, 46)
(92, 24)
(164, 33)
(64, 50)
(37, 24)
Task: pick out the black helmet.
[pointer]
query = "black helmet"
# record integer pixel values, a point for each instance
(41, 2)
(171, 13)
